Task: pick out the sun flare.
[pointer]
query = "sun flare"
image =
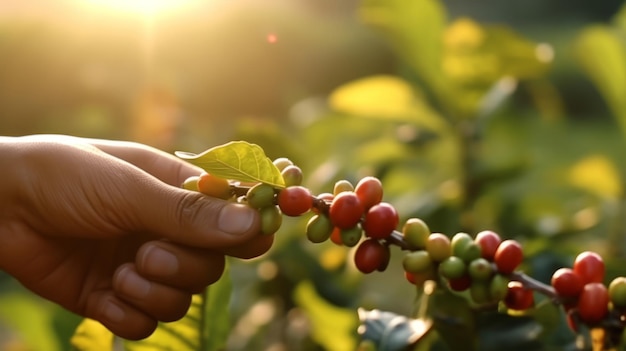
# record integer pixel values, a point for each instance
(147, 7)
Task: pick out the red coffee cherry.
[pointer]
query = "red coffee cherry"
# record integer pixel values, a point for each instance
(566, 283)
(488, 242)
(294, 200)
(370, 191)
(590, 267)
(380, 221)
(508, 256)
(518, 297)
(371, 255)
(346, 210)
(460, 284)
(593, 303)
(335, 236)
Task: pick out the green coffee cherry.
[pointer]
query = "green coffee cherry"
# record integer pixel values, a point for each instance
(470, 252)
(341, 186)
(459, 242)
(271, 219)
(260, 195)
(438, 247)
(319, 228)
(452, 268)
(292, 175)
(617, 292)
(191, 183)
(417, 262)
(498, 287)
(282, 162)
(350, 237)
(415, 233)
(479, 292)
(480, 269)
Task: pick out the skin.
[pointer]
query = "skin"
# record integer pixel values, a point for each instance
(103, 229)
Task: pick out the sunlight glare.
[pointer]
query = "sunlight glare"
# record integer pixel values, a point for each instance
(145, 7)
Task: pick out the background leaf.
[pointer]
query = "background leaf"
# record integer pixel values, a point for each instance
(92, 336)
(237, 160)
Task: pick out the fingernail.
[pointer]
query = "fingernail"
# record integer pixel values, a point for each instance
(112, 312)
(159, 262)
(132, 284)
(235, 218)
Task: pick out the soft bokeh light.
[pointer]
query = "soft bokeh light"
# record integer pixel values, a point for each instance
(139, 6)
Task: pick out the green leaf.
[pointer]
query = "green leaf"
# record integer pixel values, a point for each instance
(205, 327)
(332, 327)
(237, 160)
(415, 30)
(603, 56)
(90, 335)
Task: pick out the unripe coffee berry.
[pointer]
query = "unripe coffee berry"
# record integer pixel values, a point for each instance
(480, 269)
(617, 292)
(452, 268)
(415, 233)
(318, 228)
(213, 186)
(438, 247)
(417, 261)
(292, 175)
(271, 219)
(260, 195)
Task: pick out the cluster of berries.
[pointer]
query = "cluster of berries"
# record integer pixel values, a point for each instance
(583, 294)
(484, 265)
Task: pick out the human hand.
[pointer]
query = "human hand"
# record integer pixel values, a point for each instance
(103, 229)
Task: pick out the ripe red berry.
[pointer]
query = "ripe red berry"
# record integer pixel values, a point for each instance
(590, 267)
(346, 210)
(370, 191)
(294, 200)
(593, 303)
(518, 297)
(488, 242)
(335, 236)
(371, 255)
(460, 284)
(380, 221)
(566, 283)
(508, 256)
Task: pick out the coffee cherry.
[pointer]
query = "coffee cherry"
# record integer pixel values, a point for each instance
(590, 267)
(479, 292)
(518, 297)
(488, 242)
(438, 247)
(566, 283)
(417, 261)
(213, 186)
(415, 233)
(380, 221)
(498, 287)
(420, 277)
(191, 183)
(335, 236)
(346, 210)
(294, 200)
(271, 219)
(452, 268)
(460, 284)
(292, 175)
(480, 270)
(464, 247)
(282, 162)
(617, 292)
(341, 186)
(508, 256)
(371, 255)
(260, 195)
(351, 236)
(318, 229)
(593, 303)
(370, 191)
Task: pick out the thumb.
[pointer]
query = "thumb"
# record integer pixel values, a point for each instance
(194, 219)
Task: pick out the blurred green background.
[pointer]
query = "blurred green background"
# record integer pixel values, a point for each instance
(508, 116)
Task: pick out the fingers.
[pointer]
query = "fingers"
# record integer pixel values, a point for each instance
(119, 317)
(180, 267)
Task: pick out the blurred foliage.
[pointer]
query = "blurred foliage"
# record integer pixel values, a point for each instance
(470, 125)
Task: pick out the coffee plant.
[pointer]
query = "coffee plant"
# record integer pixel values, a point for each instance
(482, 270)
